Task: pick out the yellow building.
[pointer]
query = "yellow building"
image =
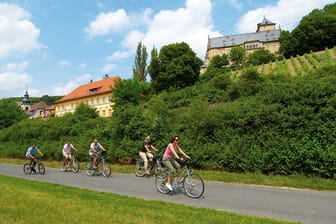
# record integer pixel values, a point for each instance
(96, 94)
(265, 37)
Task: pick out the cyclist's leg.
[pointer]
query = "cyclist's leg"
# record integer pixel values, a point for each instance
(171, 169)
(144, 157)
(66, 156)
(150, 159)
(177, 167)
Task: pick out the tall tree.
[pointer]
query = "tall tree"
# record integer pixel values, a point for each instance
(140, 63)
(177, 66)
(315, 32)
(237, 55)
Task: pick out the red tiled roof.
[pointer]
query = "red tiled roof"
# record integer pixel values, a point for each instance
(91, 89)
(40, 105)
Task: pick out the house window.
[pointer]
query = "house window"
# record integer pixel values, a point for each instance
(92, 101)
(98, 100)
(92, 91)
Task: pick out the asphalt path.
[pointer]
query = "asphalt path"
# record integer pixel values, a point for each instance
(306, 206)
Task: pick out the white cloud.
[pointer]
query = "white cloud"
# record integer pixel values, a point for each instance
(13, 84)
(119, 55)
(191, 24)
(132, 39)
(286, 13)
(108, 68)
(15, 67)
(107, 23)
(64, 63)
(18, 33)
(235, 3)
(82, 65)
(61, 89)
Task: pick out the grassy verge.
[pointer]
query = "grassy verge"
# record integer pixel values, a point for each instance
(294, 181)
(27, 201)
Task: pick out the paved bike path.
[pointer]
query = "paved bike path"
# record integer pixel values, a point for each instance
(305, 206)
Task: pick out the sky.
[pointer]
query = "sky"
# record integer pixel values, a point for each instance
(50, 47)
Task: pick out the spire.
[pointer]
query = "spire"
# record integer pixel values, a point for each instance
(26, 100)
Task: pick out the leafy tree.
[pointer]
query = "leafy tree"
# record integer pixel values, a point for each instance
(237, 55)
(10, 113)
(128, 92)
(287, 44)
(261, 56)
(315, 32)
(219, 61)
(140, 64)
(177, 66)
(85, 112)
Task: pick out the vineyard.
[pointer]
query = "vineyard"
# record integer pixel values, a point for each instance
(300, 65)
(296, 66)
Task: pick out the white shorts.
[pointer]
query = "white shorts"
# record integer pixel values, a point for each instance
(67, 155)
(93, 154)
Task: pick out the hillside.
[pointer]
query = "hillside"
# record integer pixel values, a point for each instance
(300, 65)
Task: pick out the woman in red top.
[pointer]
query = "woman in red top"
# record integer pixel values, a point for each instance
(169, 159)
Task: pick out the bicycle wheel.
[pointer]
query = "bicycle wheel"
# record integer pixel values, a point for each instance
(89, 168)
(106, 169)
(139, 168)
(27, 169)
(160, 182)
(193, 185)
(64, 168)
(41, 168)
(75, 166)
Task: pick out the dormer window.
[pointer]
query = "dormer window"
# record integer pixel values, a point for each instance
(92, 91)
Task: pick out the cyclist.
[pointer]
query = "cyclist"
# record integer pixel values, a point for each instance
(145, 153)
(94, 150)
(30, 154)
(67, 148)
(169, 161)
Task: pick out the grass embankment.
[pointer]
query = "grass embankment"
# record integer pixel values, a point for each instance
(293, 181)
(26, 201)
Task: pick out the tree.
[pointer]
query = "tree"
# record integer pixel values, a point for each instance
(261, 56)
(315, 32)
(177, 66)
(140, 64)
(287, 44)
(128, 92)
(10, 113)
(237, 55)
(85, 112)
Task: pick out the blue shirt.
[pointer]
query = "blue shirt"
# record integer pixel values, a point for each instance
(32, 150)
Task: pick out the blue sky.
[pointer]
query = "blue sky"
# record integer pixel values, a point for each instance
(50, 47)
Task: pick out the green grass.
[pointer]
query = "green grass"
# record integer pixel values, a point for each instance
(26, 201)
(293, 181)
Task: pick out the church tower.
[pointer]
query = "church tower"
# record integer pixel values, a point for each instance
(25, 105)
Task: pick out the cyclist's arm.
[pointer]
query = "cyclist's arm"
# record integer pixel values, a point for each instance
(153, 147)
(41, 154)
(183, 153)
(102, 147)
(146, 147)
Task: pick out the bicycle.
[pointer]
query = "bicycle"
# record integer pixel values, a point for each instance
(103, 165)
(28, 168)
(193, 184)
(73, 165)
(139, 166)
